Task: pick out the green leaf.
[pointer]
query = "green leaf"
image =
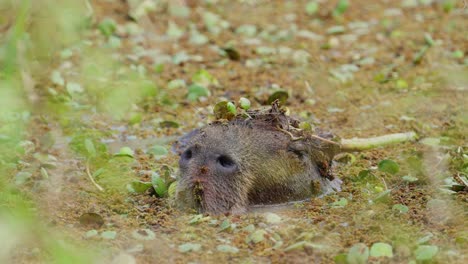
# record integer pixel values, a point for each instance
(458, 54)
(135, 118)
(247, 30)
(91, 233)
(340, 203)
(341, 259)
(244, 103)
(257, 236)
(306, 126)
(408, 178)
(381, 250)
(174, 31)
(426, 238)
(169, 124)
(159, 185)
(347, 158)
(296, 246)
(401, 84)
(189, 247)
(336, 30)
(231, 108)
(196, 91)
(231, 53)
(433, 142)
(107, 27)
(358, 254)
(425, 252)
(57, 78)
(204, 78)
(177, 83)
(178, 9)
(403, 209)
(44, 173)
(144, 234)
(21, 177)
(158, 151)
(388, 166)
(74, 88)
(180, 57)
(383, 196)
(281, 95)
(109, 235)
(363, 175)
(89, 146)
(225, 225)
(311, 8)
(138, 186)
(158, 68)
(341, 7)
(448, 5)
(172, 189)
(272, 218)
(224, 110)
(419, 56)
(428, 39)
(125, 151)
(227, 249)
(197, 219)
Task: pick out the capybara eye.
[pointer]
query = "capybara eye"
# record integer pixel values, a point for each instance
(226, 161)
(187, 154)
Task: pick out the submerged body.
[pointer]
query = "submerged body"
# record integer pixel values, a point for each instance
(225, 167)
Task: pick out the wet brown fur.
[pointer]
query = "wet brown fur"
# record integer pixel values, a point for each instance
(269, 166)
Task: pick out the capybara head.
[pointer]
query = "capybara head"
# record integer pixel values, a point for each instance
(226, 166)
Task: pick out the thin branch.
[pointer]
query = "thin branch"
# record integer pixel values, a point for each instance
(360, 144)
(88, 172)
(325, 140)
(293, 138)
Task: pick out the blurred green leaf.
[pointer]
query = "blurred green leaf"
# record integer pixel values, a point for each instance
(227, 249)
(144, 234)
(244, 103)
(383, 196)
(159, 184)
(425, 252)
(196, 91)
(107, 27)
(172, 189)
(388, 166)
(340, 203)
(381, 250)
(311, 8)
(204, 78)
(281, 95)
(189, 247)
(125, 151)
(90, 147)
(257, 236)
(341, 7)
(224, 110)
(402, 209)
(158, 151)
(225, 225)
(358, 254)
(22, 177)
(138, 186)
(408, 178)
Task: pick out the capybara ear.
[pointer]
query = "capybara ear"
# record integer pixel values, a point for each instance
(182, 143)
(318, 150)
